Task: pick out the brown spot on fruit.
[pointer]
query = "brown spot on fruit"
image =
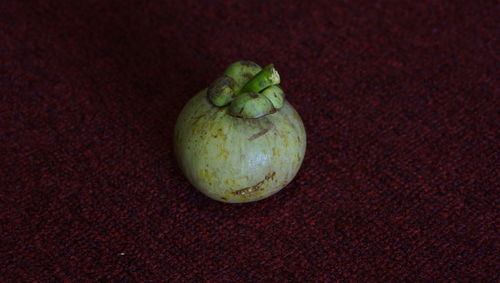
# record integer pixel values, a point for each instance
(263, 131)
(197, 118)
(255, 188)
(219, 133)
(259, 134)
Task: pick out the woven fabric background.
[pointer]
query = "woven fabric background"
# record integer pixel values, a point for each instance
(400, 179)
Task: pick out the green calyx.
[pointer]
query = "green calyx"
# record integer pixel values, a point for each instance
(251, 105)
(222, 91)
(242, 71)
(249, 90)
(276, 95)
(265, 78)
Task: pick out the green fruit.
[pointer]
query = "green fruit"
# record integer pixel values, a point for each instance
(239, 159)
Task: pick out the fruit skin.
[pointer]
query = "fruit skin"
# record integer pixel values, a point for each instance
(237, 160)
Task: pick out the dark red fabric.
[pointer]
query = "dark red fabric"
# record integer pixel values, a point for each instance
(400, 103)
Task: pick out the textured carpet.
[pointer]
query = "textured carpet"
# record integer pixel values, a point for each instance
(400, 179)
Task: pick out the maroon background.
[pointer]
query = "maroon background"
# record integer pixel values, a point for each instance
(399, 179)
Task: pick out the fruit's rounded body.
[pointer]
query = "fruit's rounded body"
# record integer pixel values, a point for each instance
(234, 159)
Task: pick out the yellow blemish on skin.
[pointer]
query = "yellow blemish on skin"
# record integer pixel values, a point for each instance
(224, 153)
(219, 134)
(276, 152)
(206, 175)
